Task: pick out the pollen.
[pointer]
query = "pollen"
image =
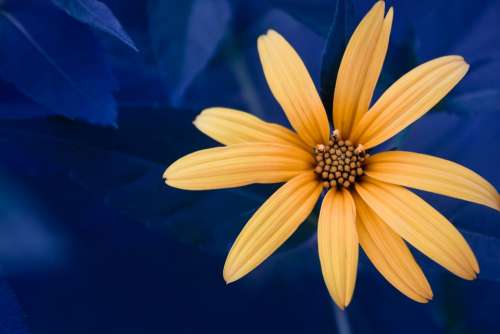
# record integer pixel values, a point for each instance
(339, 163)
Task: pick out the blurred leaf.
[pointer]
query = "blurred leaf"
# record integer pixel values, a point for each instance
(96, 14)
(400, 59)
(444, 27)
(82, 152)
(487, 100)
(56, 62)
(12, 319)
(15, 105)
(478, 92)
(28, 242)
(186, 41)
(315, 14)
(464, 28)
(237, 70)
(487, 250)
(336, 42)
(123, 169)
(140, 81)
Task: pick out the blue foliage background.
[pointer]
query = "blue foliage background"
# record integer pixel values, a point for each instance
(97, 98)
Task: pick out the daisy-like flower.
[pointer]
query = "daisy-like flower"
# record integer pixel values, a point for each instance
(365, 202)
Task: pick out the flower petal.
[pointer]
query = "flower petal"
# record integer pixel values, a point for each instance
(229, 127)
(272, 224)
(390, 255)
(338, 245)
(293, 88)
(425, 172)
(421, 225)
(408, 99)
(360, 68)
(237, 165)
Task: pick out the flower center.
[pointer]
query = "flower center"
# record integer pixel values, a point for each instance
(339, 163)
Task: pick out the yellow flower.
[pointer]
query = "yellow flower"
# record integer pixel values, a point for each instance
(365, 203)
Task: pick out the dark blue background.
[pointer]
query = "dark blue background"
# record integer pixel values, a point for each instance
(98, 97)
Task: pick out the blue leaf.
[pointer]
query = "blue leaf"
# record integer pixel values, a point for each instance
(487, 250)
(484, 100)
(15, 105)
(57, 63)
(24, 218)
(96, 14)
(336, 42)
(466, 29)
(237, 70)
(126, 174)
(315, 14)
(12, 317)
(141, 84)
(186, 42)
